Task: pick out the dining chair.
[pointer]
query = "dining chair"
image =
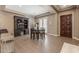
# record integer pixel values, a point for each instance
(42, 34)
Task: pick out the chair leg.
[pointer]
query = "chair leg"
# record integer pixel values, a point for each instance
(44, 35)
(37, 36)
(41, 35)
(33, 36)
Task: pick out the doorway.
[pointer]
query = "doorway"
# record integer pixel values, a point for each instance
(66, 25)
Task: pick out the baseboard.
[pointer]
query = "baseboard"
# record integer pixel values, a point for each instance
(53, 34)
(76, 38)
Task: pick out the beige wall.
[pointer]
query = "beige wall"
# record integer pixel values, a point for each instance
(52, 24)
(76, 24)
(7, 21)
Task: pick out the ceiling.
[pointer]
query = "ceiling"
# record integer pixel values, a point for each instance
(36, 10)
(32, 10)
(62, 7)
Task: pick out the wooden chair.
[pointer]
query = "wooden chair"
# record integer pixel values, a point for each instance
(34, 34)
(31, 33)
(42, 33)
(37, 34)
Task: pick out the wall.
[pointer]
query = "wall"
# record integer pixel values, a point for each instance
(52, 24)
(7, 21)
(76, 24)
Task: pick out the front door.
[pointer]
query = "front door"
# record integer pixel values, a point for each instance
(66, 25)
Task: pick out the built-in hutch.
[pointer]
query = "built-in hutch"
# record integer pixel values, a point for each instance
(20, 26)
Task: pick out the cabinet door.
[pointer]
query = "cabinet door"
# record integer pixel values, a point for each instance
(20, 25)
(25, 23)
(17, 22)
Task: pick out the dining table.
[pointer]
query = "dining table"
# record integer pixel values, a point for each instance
(37, 33)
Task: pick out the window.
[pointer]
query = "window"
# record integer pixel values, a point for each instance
(43, 23)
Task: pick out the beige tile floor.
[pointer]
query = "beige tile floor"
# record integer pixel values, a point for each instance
(50, 44)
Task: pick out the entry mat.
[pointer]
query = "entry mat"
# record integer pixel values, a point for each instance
(69, 48)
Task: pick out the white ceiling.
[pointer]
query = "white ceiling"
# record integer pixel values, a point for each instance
(63, 7)
(32, 10)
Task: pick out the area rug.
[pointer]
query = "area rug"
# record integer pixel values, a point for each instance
(69, 48)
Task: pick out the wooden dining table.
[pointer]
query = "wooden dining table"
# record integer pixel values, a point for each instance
(36, 33)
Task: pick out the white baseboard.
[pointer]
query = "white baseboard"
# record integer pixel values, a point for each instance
(76, 38)
(53, 34)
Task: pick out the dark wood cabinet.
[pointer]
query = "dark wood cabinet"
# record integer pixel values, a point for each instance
(20, 26)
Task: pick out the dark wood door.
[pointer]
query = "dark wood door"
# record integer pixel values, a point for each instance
(66, 25)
